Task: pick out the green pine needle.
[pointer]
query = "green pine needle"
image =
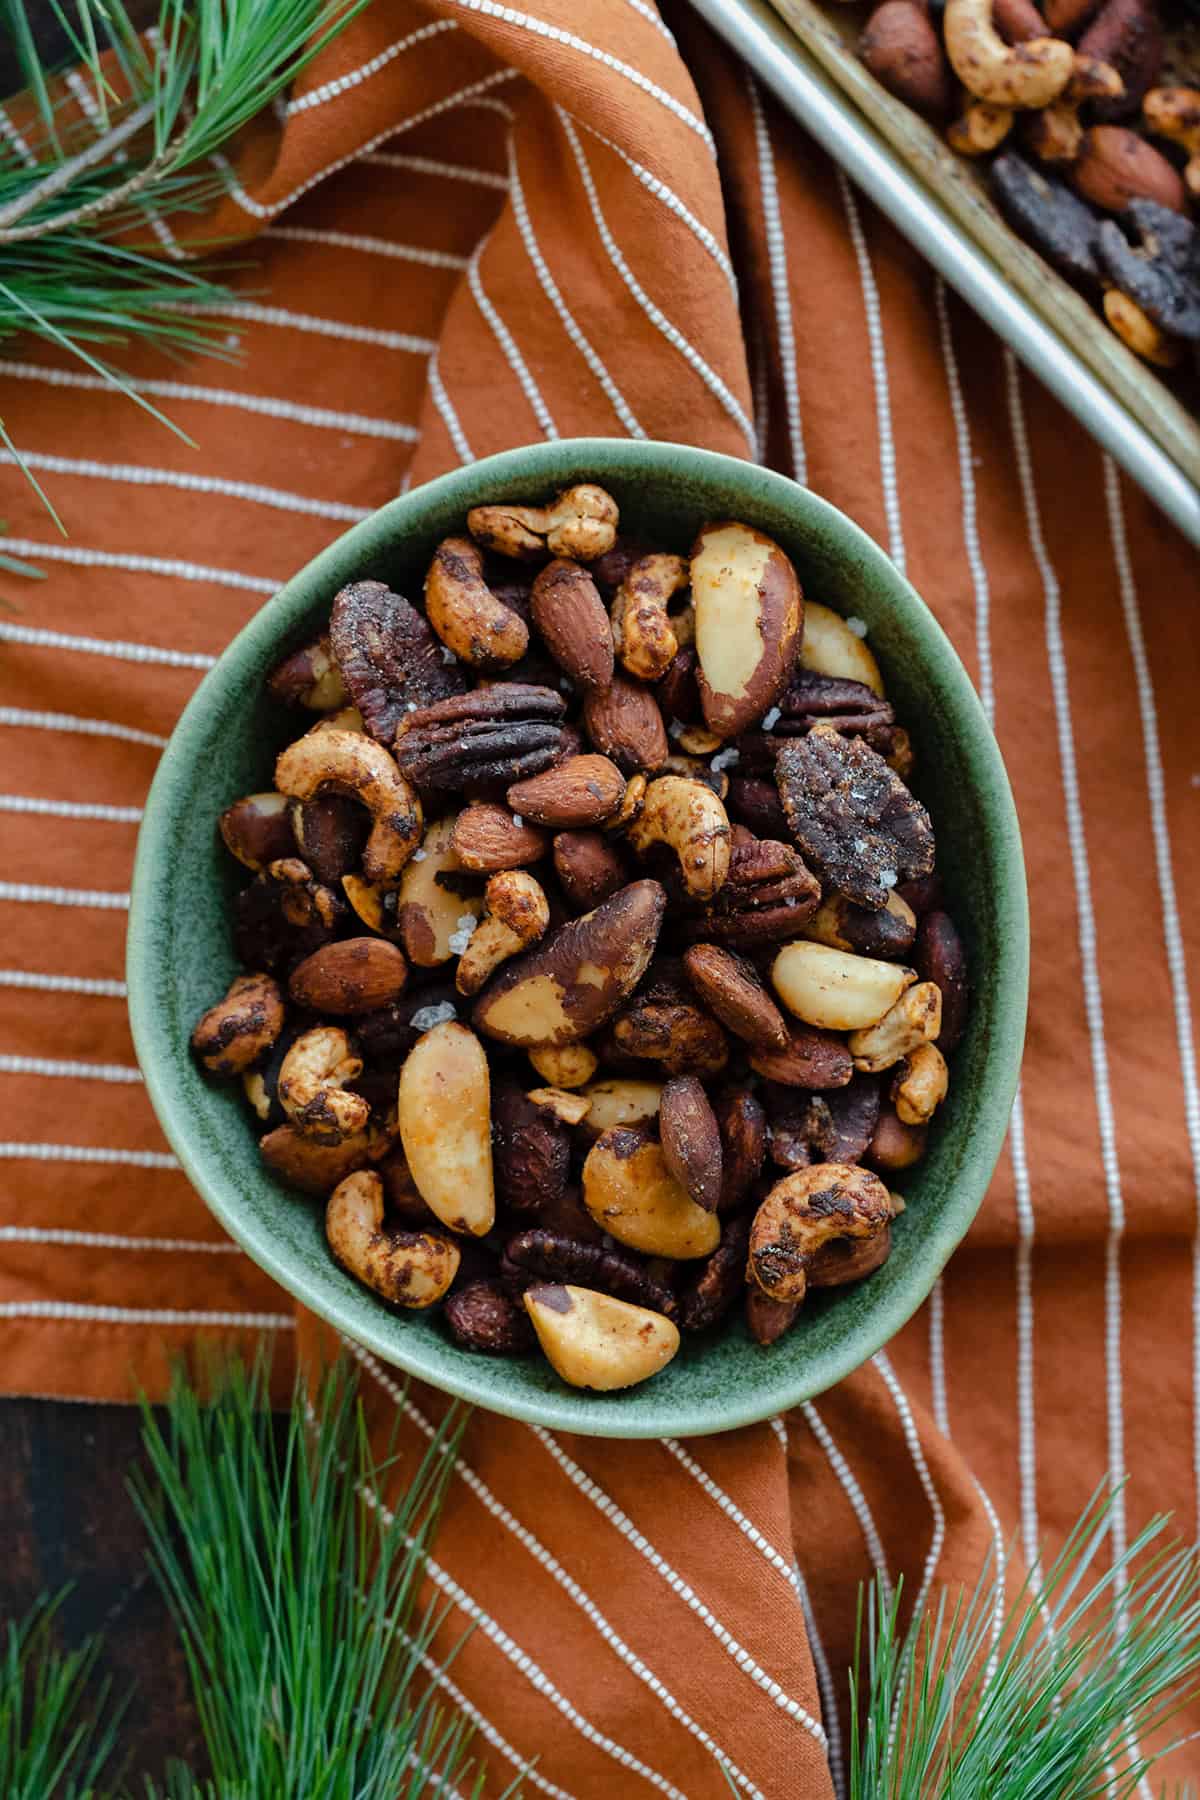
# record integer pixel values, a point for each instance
(57, 1735)
(161, 118)
(1050, 1707)
(297, 1604)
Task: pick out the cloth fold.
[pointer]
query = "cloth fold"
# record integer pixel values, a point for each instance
(476, 224)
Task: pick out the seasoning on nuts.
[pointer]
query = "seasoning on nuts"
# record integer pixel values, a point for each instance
(408, 1268)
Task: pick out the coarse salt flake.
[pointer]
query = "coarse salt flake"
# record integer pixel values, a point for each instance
(448, 655)
(411, 707)
(725, 759)
(888, 877)
(419, 855)
(518, 821)
(856, 625)
(426, 1017)
(771, 719)
(676, 728)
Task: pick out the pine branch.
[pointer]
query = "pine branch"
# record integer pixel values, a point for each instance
(57, 1736)
(296, 1594)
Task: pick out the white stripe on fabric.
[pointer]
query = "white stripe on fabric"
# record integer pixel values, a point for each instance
(670, 199)
(21, 717)
(537, 1678)
(853, 1492)
(88, 1153)
(341, 84)
(553, 1568)
(657, 317)
(937, 1355)
(781, 1564)
(450, 419)
(90, 106)
(1026, 1400)
(42, 983)
(1086, 927)
(1168, 896)
(127, 652)
(652, 18)
(67, 1310)
(70, 809)
(508, 345)
(258, 211)
(29, 893)
(70, 1071)
(138, 475)
(609, 1509)
(286, 320)
(323, 418)
(370, 246)
(112, 1240)
(825, 1684)
(491, 9)
(879, 373)
(777, 262)
(90, 558)
(551, 289)
(429, 165)
(1001, 1568)
(12, 136)
(912, 1439)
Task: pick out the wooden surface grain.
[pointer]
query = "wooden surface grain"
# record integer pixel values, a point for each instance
(66, 1517)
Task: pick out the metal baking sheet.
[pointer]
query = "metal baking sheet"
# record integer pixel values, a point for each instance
(783, 63)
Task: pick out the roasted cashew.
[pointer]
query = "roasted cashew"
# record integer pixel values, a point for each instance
(1025, 75)
(312, 1089)
(920, 1085)
(569, 1066)
(409, 1268)
(807, 1211)
(351, 764)
(475, 623)
(1174, 113)
(643, 634)
(916, 1018)
(1138, 330)
(517, 915)
(981, 129)
(687, 817)
(1055, 134)
(580, 524)
(305, 900)
(239, 1029)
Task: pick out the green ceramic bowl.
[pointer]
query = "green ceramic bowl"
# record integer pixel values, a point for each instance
(180, 957)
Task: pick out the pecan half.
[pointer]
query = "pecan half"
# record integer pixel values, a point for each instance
(852, 816)
(388, 656)
(496, 734)
(706, 1299)
(549, 1256)
(767, 897)
(481, 1316)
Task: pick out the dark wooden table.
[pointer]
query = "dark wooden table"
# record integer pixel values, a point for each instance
(65, 1516)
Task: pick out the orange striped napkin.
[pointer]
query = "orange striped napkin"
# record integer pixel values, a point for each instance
(476, 224)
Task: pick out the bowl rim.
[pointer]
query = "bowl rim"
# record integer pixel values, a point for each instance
(544, 463)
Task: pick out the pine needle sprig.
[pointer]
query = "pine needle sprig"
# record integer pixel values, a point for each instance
(57, 1732)
(297, 1603)
(1084, 1666)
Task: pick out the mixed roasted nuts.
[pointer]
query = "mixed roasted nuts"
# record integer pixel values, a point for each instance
(1099, 137)
(596, 974)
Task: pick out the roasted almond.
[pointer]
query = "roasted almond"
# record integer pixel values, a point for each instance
(487, 838)
(590, 868)
(573, 983)
(732, 989)
(354, 975)
(749, 614)
(691, 1140)
(812, 1059)
(583, 791)
(624, 722)
(569, 613)
(1116, 166)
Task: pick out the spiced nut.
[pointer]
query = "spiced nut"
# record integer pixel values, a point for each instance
(567, 1108)
(437, 902)
(573, 795)
(830, 647)
(836, 990)
(590, 868)
(743, 1127)
(412, 1269)
(920, 1084)
(691, 1140)
(487, 838)
(235, 1033)
(620, 1103)
(689, 820)
(353, 975)
(631, 1194)
(749, 615)
(594, 1341)
(309, 677)
(313, 1167)
(444, 1111)
(1028, 75)
(914, 1019)
(569, 614)
(569, 1066)
(580, 523)
(312, 1086)
(804, 1213)
(471, 620)
(624, 722)
(258, 830)
(642, 631)
(349, 763)
(732, 990)
(517, 914)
